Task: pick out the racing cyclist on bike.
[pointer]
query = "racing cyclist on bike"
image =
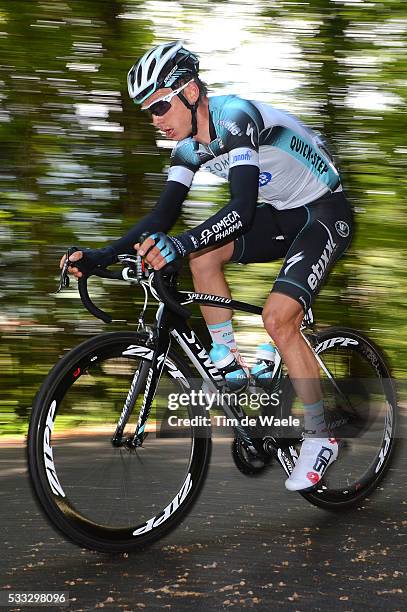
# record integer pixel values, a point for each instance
(286, 201)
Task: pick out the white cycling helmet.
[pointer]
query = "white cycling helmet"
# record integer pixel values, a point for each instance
(160, 67)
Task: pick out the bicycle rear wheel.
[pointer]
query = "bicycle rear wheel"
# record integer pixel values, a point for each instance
(366, 399)
(100, 496)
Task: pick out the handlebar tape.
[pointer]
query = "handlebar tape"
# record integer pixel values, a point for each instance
(87, 302)
(167, 296)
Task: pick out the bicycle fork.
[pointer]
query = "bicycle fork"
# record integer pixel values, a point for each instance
(153, 378)
(148, 374)
(136, 386)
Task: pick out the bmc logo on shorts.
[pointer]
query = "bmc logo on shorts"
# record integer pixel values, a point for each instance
(342, 228)
(265, 178)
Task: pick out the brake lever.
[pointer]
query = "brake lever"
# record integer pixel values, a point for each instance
(64, 278)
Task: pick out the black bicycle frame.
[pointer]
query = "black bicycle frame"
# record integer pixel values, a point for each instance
(171, 321)
(171, 324)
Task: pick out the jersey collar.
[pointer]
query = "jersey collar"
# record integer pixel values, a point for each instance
(212, 131)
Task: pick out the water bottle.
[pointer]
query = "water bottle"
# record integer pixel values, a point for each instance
(226, 363)
(262, 371)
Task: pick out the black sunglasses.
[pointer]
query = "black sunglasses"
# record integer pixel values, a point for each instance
(159, 108)
(163, 105)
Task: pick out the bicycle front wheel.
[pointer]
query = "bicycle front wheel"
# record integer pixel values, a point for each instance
(106, 497)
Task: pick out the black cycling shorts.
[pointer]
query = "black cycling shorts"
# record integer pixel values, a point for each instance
(310, 238)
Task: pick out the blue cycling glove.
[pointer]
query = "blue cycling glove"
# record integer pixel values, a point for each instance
(170, 248)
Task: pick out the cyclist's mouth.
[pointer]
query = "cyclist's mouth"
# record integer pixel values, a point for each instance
(169, 132)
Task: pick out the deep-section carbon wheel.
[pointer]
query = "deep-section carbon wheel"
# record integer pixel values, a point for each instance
(111, 497)
(364, 409)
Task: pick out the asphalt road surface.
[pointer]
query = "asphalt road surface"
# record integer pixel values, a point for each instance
(248, 543)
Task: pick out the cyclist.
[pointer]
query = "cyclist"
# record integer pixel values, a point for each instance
(286, 201)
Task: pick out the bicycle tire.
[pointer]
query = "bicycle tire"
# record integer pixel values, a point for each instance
(44, 475)
(337, 340)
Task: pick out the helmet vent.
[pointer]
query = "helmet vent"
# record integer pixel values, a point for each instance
(151, 68)
(139, 75)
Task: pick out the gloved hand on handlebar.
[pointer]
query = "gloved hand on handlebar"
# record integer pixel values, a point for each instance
(160, 249)
(85, 261)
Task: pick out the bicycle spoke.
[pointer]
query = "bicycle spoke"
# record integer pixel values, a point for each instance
(361, 420)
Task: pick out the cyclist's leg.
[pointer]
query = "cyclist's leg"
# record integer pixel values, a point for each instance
(322, 240)
(208, 277)
(262, 243)
(282, 317)
(257, 245)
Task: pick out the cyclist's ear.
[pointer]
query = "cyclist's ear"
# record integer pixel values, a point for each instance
(192, 93)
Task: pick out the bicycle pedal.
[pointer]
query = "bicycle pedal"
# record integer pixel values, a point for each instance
(248, 460)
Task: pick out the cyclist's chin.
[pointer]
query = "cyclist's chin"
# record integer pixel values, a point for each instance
(169, 133)
(177, 133)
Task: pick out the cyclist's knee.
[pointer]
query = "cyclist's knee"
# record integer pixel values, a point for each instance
(208, 262)
(282, 320)
(280, 329)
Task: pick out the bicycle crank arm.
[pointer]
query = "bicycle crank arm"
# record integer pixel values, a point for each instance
(286, 457)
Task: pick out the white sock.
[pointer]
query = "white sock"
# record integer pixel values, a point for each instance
(222, 333)
(314, 418)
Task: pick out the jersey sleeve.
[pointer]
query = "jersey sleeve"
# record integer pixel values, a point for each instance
(184, 163)
(160, 219)
(239, 129)
(232, 220)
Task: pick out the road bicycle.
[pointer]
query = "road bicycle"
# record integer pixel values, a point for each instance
(113, 473)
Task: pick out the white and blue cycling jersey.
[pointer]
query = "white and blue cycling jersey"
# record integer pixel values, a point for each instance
(286, 196)
(294, 164)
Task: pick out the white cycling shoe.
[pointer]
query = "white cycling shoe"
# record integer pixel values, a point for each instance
(316, 455)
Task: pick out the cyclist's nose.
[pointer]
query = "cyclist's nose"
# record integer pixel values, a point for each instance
(156, 121)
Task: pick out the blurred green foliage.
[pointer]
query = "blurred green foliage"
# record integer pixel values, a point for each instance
(79, 164)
